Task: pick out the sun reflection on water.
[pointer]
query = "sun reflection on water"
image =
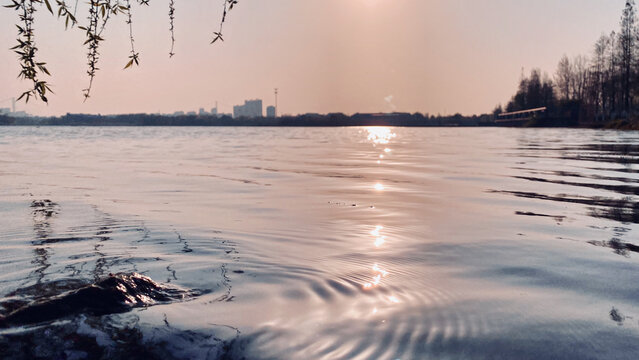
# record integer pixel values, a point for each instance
(378, 228)
(379, 239)
(376, 268)
(380, 134)
(377, 278)
(378, 273)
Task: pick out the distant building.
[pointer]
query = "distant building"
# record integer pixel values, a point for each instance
(250, 109)
(270, 112)
(191, 113)
(178, 113)
(5, 111)
(214, 111)
(202, 112)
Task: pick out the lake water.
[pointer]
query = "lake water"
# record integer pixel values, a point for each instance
(321, 243)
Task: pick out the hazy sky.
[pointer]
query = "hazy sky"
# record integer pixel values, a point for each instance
(435, 56)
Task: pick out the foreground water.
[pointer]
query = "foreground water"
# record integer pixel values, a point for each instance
(318, 243)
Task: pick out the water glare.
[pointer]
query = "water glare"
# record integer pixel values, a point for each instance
(380, 135)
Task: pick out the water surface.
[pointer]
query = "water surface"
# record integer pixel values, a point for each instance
(322, 243)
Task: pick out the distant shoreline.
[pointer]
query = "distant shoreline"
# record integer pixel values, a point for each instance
(307, 120)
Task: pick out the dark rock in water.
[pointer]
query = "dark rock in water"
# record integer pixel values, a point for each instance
(116, 294)
(616, 316)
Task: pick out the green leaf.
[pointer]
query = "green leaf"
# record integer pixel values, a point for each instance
(48, 6)
(44, 70)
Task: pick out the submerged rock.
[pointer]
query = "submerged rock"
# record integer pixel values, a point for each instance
(616, 316)
(116, 294)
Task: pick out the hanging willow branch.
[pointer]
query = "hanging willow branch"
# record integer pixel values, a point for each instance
(228, 6)
(93, 41)
(65, 12)
(99, 14)
(172, 26)
(134, 58)
(30, 68)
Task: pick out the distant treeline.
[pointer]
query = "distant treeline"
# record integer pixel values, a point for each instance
(600, 90)
(335, 119)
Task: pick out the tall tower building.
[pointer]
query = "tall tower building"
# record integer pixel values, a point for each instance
(271, 112)
(250, 109)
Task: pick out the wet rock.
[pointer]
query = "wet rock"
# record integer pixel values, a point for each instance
(616, 316)
(116, 294)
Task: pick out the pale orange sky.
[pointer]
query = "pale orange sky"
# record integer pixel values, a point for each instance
(434, 56)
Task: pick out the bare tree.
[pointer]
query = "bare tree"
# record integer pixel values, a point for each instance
(627, 50)
(604, 86)
(613, 75)
(563, 77)
(579, 78)
(600, 74)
